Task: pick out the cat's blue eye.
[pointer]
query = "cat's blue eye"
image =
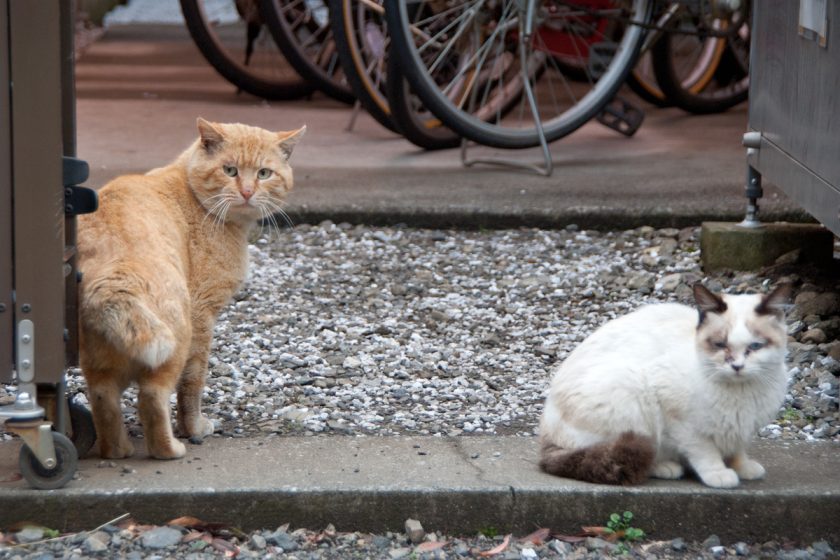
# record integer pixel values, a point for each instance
(264, 173)
(720, 344)
(230, 170)
(755, 346)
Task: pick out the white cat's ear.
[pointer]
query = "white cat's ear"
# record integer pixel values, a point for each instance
(776, 301)
(706, 301)
(288, 140)
(211, 137)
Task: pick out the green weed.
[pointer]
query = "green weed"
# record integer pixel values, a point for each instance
(619, 525)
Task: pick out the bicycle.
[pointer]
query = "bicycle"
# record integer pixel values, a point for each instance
(363, 43)
(302, 31)
(468, 61)
(701, 62)
(233, 38)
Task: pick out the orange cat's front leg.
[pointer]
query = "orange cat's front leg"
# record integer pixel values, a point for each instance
(191, 423)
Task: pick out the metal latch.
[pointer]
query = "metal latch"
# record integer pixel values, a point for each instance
(77, 200)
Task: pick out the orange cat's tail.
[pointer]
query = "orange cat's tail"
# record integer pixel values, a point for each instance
(114, 305)
(627, 460)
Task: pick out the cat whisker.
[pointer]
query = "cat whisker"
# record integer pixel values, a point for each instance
(223, 214)
(217, 211)
(265, 222)
(221, 200)
(277, 209)
(272, 221)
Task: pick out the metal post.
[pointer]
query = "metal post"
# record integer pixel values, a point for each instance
(68, 133)
(35, 65)
(753, 190)
(6, 264)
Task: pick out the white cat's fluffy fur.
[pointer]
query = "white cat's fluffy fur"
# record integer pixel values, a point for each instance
(669, 385)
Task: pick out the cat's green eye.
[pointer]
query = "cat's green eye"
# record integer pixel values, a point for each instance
(755, 346)
(230, 170)
(264, 173)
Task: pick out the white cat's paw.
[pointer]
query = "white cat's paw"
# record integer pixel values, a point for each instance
(723, 478)
(668, 470)
(750, 470)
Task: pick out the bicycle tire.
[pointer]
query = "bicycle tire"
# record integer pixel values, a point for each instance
(286, 85)
(413, 121)
(479, 127)
(365, 70)
(307, 43)
(729, 83)
(642, 82)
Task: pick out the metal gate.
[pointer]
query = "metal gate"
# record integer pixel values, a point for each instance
(794, 114)
(38, 205)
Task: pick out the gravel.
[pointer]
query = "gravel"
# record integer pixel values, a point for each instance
(355, 330)
(195, 541)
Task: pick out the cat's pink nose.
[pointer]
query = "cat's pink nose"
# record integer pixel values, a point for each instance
(247, 194)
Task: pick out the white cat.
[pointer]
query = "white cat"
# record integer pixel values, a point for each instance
(669, 385)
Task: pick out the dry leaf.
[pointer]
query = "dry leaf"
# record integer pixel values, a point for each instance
(429, 546)
(602, 532)
(537, 537)
(229, 549)
(498, 549)
(187, 521)
(571, 539)
(192, 536)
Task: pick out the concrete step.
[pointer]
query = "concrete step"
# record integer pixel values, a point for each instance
(458, 485)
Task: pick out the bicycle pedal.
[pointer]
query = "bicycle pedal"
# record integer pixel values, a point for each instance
(622, 116)
(600, 56)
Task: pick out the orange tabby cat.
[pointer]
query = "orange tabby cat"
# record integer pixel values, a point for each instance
(161, 257)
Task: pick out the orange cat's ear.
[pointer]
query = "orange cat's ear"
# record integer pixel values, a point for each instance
(288, 140)
(211, 137)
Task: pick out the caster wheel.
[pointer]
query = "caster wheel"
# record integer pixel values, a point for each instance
(81, 422)
(49, 479)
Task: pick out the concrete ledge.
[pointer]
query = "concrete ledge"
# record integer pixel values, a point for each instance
(727, 245)
(458, 485)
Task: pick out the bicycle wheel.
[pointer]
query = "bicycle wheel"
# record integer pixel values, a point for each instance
(362, 39)
(642, 82)
(301, 28)
(362, 42)
(697, 37)
(232, 38)
(413, 120)
(467, 59)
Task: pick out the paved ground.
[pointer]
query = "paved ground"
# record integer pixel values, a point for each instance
(457, 485)
(139, 92)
